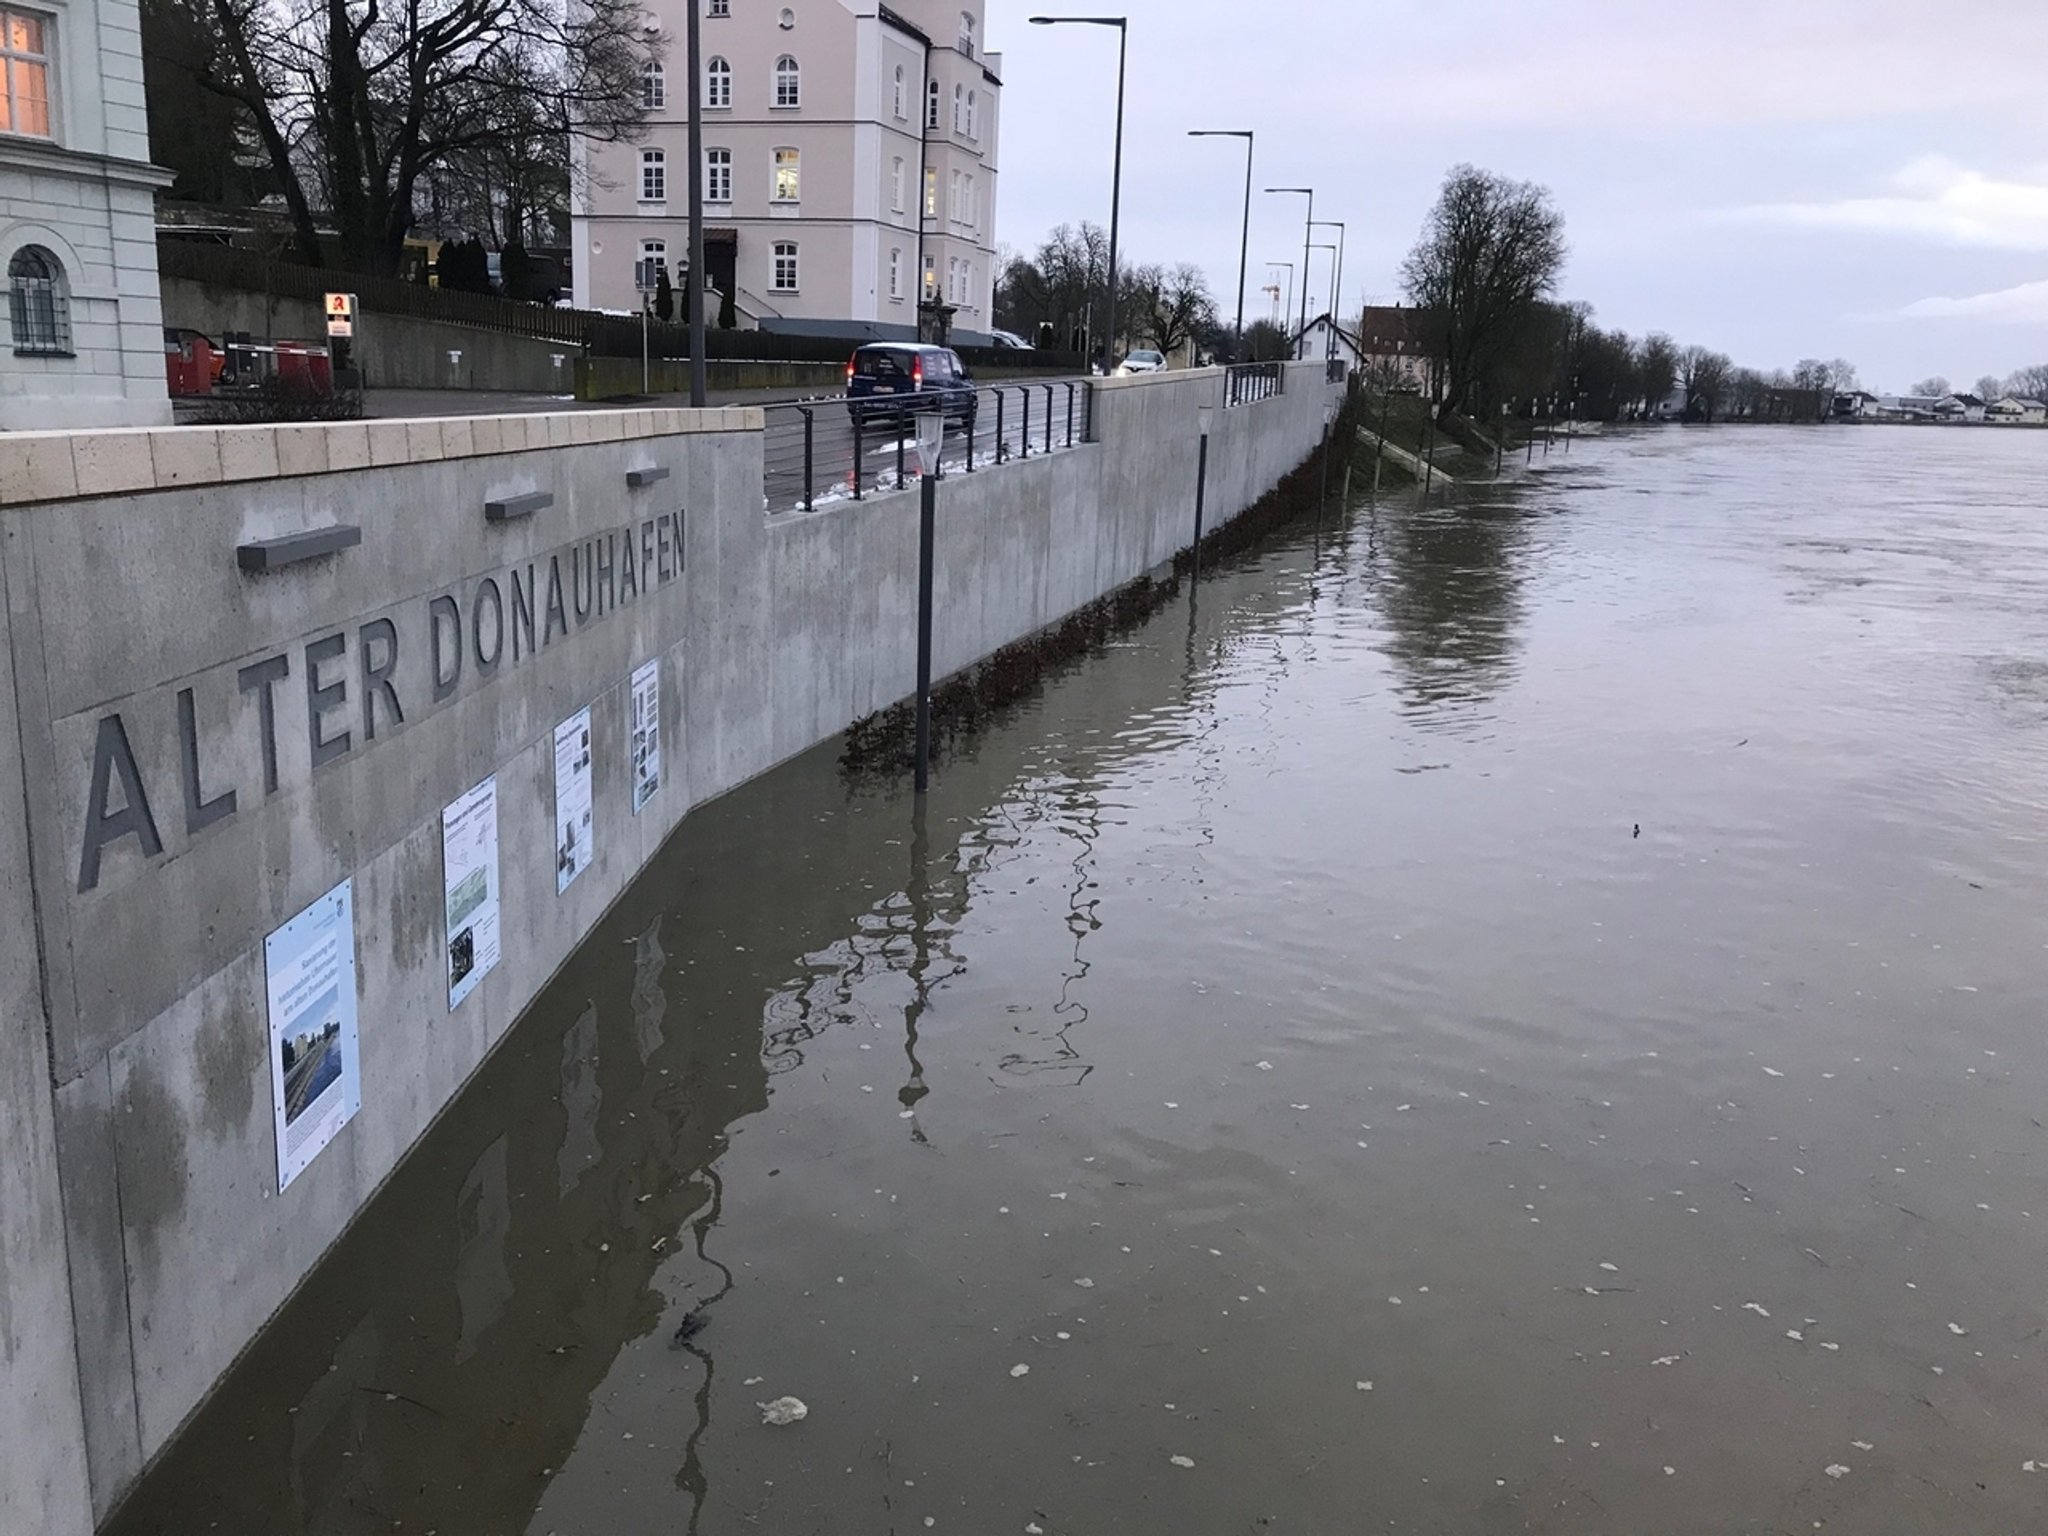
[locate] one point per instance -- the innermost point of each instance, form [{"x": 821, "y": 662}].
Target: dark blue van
[{"x": 890, "y": 381}]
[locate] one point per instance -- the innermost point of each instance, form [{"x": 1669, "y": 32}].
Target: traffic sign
[{"x": 341, "y": 314}]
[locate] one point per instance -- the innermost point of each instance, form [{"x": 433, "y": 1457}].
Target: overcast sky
[{"x": 1857, "y": 178}]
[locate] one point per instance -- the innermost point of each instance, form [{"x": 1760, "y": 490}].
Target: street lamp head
[
  {"x": 1220, "y": 133},
  {"x": 1085, "y": 21},
  {"x": 1308, "y": 191},
  {"x": 1204, "y": 416}
]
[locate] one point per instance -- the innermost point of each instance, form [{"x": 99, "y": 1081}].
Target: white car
[
  {"x": 1142, "y": 362},
  {"x": 1011, "y": 340}
]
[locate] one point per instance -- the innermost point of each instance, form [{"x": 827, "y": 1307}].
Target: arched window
[
  {"x": 902, "y": 95},
  {"x": 959, "y": 109},
  {"x": 788, "y": 83},
  {"x": 653, "y": 86},
  {"x": 966, "y": 43},
  {"x": 931, "y": 105},
  {"x": 38, "y": 304},
  {"x": 653, "y": 176},
  {"x": 718, "y": 85},
  {"x": 971, "y": 103}
]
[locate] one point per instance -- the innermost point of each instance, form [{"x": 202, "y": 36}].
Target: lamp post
[
  {"x": 1322, "y": 245},
  {"x": 694, "y": 53},
  {"x": 1245, "y": 246},
  {"x": 1205, "y": 415},
  {"x": 1337, "y": 281},
  {"x": 931, "y": 437},
  {"x": 1116, "y": 185},
  {"x": 1308, "y": 233}
]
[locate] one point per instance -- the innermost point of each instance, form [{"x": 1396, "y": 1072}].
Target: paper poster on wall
[
  {"x": 469, "y": 877},
  {"x": 575, "y": 842},
  {"x": 316, "y": 1085},
  {"x": 646, "y": 734}
]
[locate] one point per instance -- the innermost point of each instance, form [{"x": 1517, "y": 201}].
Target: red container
[{"x": 189, "y": 363}]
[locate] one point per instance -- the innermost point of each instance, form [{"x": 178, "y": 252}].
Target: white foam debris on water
[
  {"x": 1557, "y": 1439},
  {"x": 753, "y": 1381},
  {"x": 1837, "y": 1471},
  {"x": 784, "y": 1410},
  {"x": 1612, "y": 1269},
  {"x": 1085, "y": 1284},
  {"x": 1671, "y": 1471},
  {"x": 1666, "y": 1360},
  {"x": 906, "y": 1114},
  {"x": 1402, "y": 1109},
  {"x": 1297, "y": 1106},
  {"x": 1750, "y": 1306},
  {"x": 1959, "y": 1330},
  {"x": 1171, "y": 1105},
  {"x": 1265, "y": 1066},
  {"x": 1182, "y": 1461},
  {"x": 1034, "y": 1529},
  {"x": 1361, "y": 1146},
  {"x": 1020, "y": 1370},
  {"x": 1824, "y": 1344},
  {"x": 1772, "y": 1072},
  {"x": 1394, "y": 1301},
  {"x": 1060, "y": 1195},
  {"x": 1863, "y": 1445},
  {"x": 1063, "y": 1336},
  {"x": 1592, "y": 1291},
  {"x": 1365, "y": 1386},
  {"x": 1795, "y": 1335},
  {"x": 2028, "y": 1466}
]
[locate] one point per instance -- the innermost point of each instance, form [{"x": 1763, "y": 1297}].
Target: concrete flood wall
[{"x": 197, "y": 752}]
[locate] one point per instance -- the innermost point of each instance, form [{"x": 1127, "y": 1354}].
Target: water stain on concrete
[
  {"x": 414, "y": 929},
  {"x": 229, "y": 1052},
  {"x": 150, "y": 1139}
]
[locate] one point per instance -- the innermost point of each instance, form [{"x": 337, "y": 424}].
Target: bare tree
[
  {"x": 1842, "y": 376},
  {"x": 1491, "y": 248},
  {"x": 356, "y": 102},
  {"x": 1815, "y": 381},
  {"x": 2029, "y": 383},
  {"x": 1746, "y": 388},
  {"x": 1656, "y": 369},
  {"x": 1171, "y": 307},
  {"x": 1989, "y": 388},
  {"x": 1705, "y": 374},
  {"x": 1934, "y": 386}
]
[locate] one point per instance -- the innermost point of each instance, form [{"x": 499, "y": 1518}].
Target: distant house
[
  {"x": 1907, "y": 408},
  {"x": 1856, "y": 405},
  {"x": 1391, "y": 343},
  {"x": 2013, "y": 411},
  {"x": 1673, "y": 407},
  {"x": 1959, "y": 408},
  {"x": 1316, "y": 341}
]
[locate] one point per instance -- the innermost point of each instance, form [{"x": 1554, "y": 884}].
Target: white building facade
[
  {"x": 850, "y": 165},
  {"x": 81, "y": 338}
]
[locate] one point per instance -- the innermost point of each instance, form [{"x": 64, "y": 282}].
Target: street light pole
[
  {"x": 1322, "y": 245},
  {"x": 1308, "y": 233},
  {"x": 694, "y": 53},
  {"x": 1337, "y": 285},
  {"x": 1116, "y": 185},
  {"x": 1245, "y": 248}
]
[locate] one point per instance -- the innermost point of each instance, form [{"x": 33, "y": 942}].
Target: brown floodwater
[{"x": 1521, "y": 1015}]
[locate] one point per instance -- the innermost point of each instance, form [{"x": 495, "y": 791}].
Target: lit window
[
  {"x": 37, "y": 304},
  {"x": 902, "y": 95},
  {"x": 718, "y": 85},
  {"x": 647, "y": 270},
  {"x": 931, "y": 277},
  {"x": 783, "y": 279},
  {"x": 931, "y": 105},
  {"x": 788, "y": 186},
  {"x": 931, "y": 194},
  {"x": 25, "y": 63},
  {"x": 717, "y": 175},
  {"x": 966, "y": 40},
  {"x": 720, "y": 8},
  {"x": 896, "y": 273},
  {"x": 896, "y": 185},
  {"x": 653, "y": 87},
  {"x": 653, "y": 176},
  {"x": 788, "y": 83}
]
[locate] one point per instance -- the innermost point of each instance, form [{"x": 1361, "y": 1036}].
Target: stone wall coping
[{"x": 59, "y": 466}]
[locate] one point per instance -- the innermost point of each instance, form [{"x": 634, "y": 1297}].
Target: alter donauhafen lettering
[{"x": 349, "y": 680}]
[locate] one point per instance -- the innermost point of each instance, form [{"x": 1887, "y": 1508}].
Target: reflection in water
[
  {"x": 483, "y": 1219},
  {"x": 650, "y": 999},
  {"x": 1451, "y": 597},
  {"x": 581, "y": 1100},
  {"x": 921, "y": 981}
]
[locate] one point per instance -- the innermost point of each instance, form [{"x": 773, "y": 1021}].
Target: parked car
[
  {"x": 1011, "y": 340},
  {"x": 889, "y": 381},
  {"x": 1143, "y": 361}
]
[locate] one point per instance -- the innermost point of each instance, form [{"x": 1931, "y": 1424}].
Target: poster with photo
[
  {"x": 469, "y": 883},
  {"x": 645, "y": 735},
  {"x": 575, "y": 841},
  {"x": 316, "y": 1085}
]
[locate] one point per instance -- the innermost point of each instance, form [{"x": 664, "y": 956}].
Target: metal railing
[
  {"x": 818, "y": 452},
  {"x": 1247, "y": 382}
]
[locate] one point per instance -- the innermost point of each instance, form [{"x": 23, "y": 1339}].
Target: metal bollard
[
  {"x": 1024, "y": 438},
  {"x": 1048, "y": 418},
  {"x": 1070, "y": 413},
  {"x": 856, "y": 454},
  {"x": 900, "y": 434},
  {"x": 973, "y": 420},
  {"x": 1002, "y": 444}
]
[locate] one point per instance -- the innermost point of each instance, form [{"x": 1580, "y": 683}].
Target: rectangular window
[
  {"x": 931, "y": 194},
  {"x": 788, "y": 184},
  {"x": 717, "y": 175},
  {"x": 896, "y": 185},
  {"x": 720, "y": 8},
  {"x": 931, "y": 277},
  {"x": 971, "y": 215},
  {"x": 653, "y": 87},
  {"x": 783, "y": 279},
  {"x": 653, "y": 176},
  {"x": 25, "y": 66},
  {"x": 953, "y": 208},
  {"x": 896, "y": 273},
  {"x": 647, "y": 270}
]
